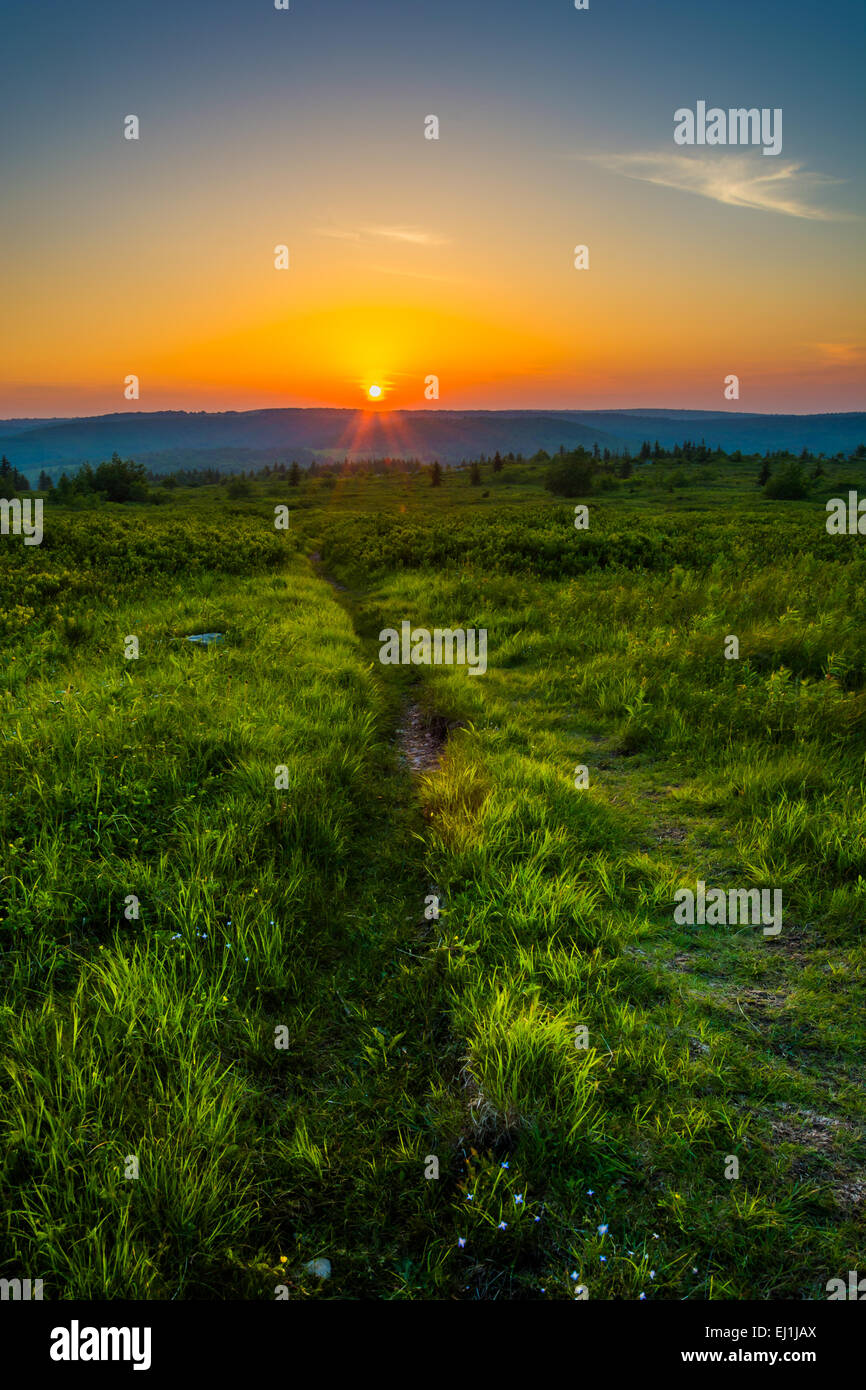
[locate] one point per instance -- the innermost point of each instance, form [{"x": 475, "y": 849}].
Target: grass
[{"x": 284, "y": 1040}]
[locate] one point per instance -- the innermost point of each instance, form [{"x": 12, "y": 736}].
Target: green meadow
[{"x": 271, "y": 994}]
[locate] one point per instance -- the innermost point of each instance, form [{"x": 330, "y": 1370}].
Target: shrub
[
  {"x": 571, "y": 474},
  {"x": 789, "y": 485},
  {"x": 238, "y": 487}
]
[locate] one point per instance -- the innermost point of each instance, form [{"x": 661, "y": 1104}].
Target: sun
[{"x": 374, "y": 392}]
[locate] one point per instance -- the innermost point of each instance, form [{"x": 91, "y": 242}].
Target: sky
[{"x": 412, "y": 258}]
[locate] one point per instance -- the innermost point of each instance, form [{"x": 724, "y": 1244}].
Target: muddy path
[
  {"x": 420, "y": 734},
  {"x": 421, "y": 738}
]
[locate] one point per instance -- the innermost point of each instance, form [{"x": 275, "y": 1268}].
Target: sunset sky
[{"x": 412, "y": 257}]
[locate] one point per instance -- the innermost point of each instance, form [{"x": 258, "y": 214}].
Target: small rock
[{"x": 321, "y": 1268}]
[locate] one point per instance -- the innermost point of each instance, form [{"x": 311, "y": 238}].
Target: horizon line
[{"x": 460, "y": 410}]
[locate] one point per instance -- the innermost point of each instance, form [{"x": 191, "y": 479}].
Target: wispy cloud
[
  {"x": 742, "y": 181},
  {"x": 338, "y": 234},
  {"x": 415, "y": 236},
  {"x": 841, "y": 354}
]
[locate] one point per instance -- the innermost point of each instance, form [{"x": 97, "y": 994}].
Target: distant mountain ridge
[{"x": 165, "y": 440}]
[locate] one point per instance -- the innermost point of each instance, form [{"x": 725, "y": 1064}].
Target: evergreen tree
[
  {"x": 497, "y": 462},
  {"x": 83, "y": 482},
  {"x": 45, "y": 483},
  {"x": 294, "y": 474},
  {"x": 764, "y": 475},
  {"x": 436, "y": 474},
  {"x": 475, "y": 474},
  {"x": 121, "y": 480}
]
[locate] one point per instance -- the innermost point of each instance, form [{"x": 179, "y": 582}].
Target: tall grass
[{"x": 235, "y": 984}]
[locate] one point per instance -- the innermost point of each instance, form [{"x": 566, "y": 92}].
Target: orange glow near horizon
[
  {"x": 558, "y": 343},
  {"x": 506, "y": 323}
]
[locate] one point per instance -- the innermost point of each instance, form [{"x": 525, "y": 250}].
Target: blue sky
[{"x": 554, "y": 122}]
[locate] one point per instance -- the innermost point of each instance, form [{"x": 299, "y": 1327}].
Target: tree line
[{"x": 782, "y": 474}]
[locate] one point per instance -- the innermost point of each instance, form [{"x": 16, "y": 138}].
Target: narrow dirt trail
[
  {"x": 421, "y": 738},
  {"x": 420, "y": 735},
  {"x": 385, "y": 1052}
]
